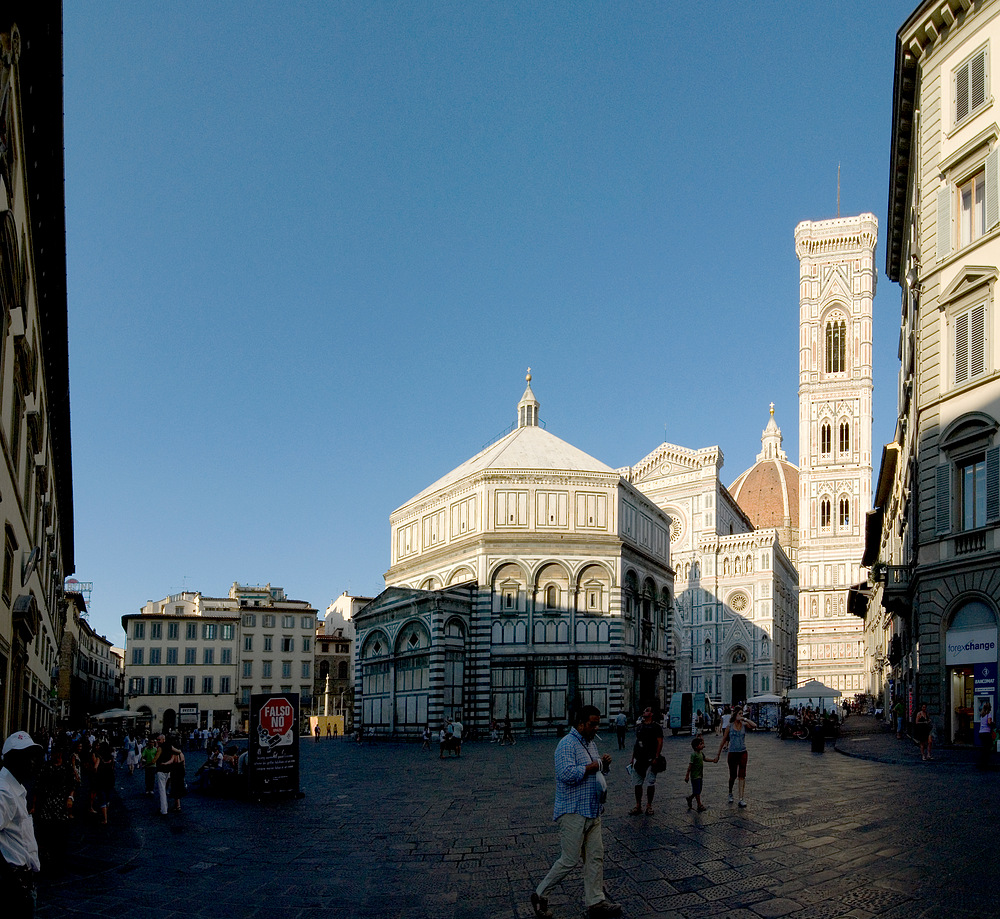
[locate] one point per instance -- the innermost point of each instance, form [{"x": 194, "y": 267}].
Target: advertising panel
[
  {"x": 970, "y": 646},
  {"x": 274, "y": 743},
  {"x": 985, "y": 689}
]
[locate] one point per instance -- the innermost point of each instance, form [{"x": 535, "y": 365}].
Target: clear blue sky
[{"x": 312, "y": 249}]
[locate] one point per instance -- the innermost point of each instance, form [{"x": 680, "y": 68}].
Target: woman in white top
[
  {"x": 985, "y": 734},
  {"x": 735, "y": 737}
]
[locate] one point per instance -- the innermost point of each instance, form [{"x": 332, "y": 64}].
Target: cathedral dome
[{"x": 768, "y": 492}]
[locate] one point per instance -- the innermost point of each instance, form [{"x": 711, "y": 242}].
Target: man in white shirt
[
  {"x": 22, "y": 758},
  {"x": 457, "y": 730}
]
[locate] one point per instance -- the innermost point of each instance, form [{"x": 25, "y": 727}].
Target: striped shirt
[{"x": 577, "y": 792}]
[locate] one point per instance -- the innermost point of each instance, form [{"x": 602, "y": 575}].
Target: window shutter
[
  {"x": 977, "y": 81},
  {"x": 993, "y": 483},
  {"x": 962, "y": 348},
  {"x": 961, "y": 92},
  {"x": 943, "y": 222},
  {"x": 942, "y": 517},
  {"x": 992, "y": 188},
  {"x": 977, "y": 341}
]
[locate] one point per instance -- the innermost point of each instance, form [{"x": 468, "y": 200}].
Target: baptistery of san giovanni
[{"x": 530, "y": 579}]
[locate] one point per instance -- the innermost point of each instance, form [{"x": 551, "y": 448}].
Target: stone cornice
[
  {"x": 479, "y": 483},
  {"x": 836, "y": 237}
]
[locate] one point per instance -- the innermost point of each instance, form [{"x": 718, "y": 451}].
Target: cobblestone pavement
[{"x": 392, "y": 831}]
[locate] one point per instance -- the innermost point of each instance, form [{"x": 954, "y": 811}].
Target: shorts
[
  {"x": 696, "y": 785},
  {"x": 737, "y": 764},
  {"x": 647, "y": 777}
]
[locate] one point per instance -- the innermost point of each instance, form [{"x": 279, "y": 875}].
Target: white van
[{"x": 684, "y": 708}]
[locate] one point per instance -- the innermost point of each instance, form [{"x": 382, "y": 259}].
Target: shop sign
[
  {"x": 972, "y": 646},
  {"x": 985, "y": 683},
  {"x": 273, "y": 758}
]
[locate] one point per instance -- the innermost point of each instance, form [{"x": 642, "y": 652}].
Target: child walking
[{"x": 696, "y": 771}]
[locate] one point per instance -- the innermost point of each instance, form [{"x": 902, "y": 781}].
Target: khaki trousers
[{"x": 579, "y": 837}]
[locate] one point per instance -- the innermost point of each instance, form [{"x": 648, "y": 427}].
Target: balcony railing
[
  {"x": 970, "y": 542},
  {"x": 896, "y": 592}
]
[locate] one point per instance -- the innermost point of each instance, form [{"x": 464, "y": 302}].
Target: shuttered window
[
  {"x": 942, "y": 515},
  {"x": 970, "y": 86},
  {"x": 970, "y": 344}
]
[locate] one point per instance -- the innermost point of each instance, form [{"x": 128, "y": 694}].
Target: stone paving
[{"x": 392, "y": 831}]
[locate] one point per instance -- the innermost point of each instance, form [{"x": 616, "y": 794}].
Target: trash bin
[{"x": 818, "y": 739}]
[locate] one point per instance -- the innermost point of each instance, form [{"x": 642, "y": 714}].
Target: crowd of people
[{"x": 52, "y": 779}]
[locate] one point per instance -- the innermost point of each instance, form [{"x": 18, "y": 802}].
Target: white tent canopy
[
  {"x": 114, "y": 713},
  {"x": 813, "y": 689},
  {"x": 764, "y": 698}
]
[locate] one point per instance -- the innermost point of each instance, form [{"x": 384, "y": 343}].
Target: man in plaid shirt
[{"x": 580, "y": 793}]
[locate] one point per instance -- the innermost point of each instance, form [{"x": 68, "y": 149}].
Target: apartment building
[
  {"x": 934, "y": 538},
  {"x": 90, "y": 675},
  {"x": 36, "y": 480},
  {"x": 194, "y": 661}
]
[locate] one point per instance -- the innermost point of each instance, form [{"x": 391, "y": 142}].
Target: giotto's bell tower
[{"x": 836, "y": 290}]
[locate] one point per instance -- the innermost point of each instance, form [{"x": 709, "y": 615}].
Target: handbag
[
  {"x": 603, "y": 784},
  {"x": 658, "y": 765}
]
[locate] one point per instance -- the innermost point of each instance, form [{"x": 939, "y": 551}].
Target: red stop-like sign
[{"x": 276, "y": 716}]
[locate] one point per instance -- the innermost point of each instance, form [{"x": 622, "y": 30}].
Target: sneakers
[
  {"x": 702, "y": 807},
  {"x": 743, "y": 803},
  {"x": 540, "y": 906},
  {"x": 730, "y": 797},
  {"x": 604, "y": 910}
]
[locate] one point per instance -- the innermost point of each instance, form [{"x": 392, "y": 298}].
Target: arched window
[
  {"x": 824, "y": 512},
  {"x": 845, "y": 512},
  {"x": 708, "y": 650},
  {"x": 836, "y": 346},
  {"x": 342, "y": 670},
  {"x": 845, "y": 437},
  {"x": 824, "y": 438},
  {"x": 324, "y": 669},
  {"x": 551, "y": 596}
]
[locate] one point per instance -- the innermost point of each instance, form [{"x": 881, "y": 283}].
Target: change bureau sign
[{"x": 274, "y": 743}]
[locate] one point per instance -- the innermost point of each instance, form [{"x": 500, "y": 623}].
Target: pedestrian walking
[
  {"x": 148, "y": 760},
  {"x": 922, "y": 732},
  {"x": 734, "y": 737},
  {"x": 987, "y": 742},
  {"x": 426, "y": 745},
  {"x": 508, "y": 733},
  {"x": 22, "y": 758},
  {"x": 166, "y": 758},
  {"x": 644, "y": 766},
  {"x": 581, "y": 790},
  {"x": 55, "y": 794},
  {"x": 696, "y": 771},
  {"x": 897, "y": 711},
  {"x": 104, "y": 779},
  {"x": 621, "y": 728}
]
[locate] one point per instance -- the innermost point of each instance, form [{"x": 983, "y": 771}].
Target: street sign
[
  {"x": 276, "y": 717},
  {"x": 273, "y": 755}
]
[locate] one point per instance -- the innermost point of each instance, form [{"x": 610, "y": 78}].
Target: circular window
[
  {"x": 739, "y": 602},
  {"x": 676, "y": 529}
]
